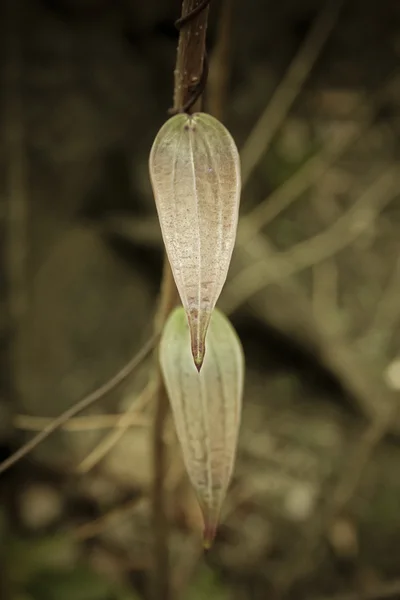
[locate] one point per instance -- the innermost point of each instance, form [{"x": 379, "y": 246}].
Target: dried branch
[
  {"x": 190, "y": 61},
  {"x": 342, "y": 233},
  {"x": 308, "y": 174},
  {"x": 189, "y": 75},
  {"x": 284, "y": 306},
  {"x": 122, "y": 425},
  {"x": 86, "y": 402},
  {"x": 89, "y": 423}
]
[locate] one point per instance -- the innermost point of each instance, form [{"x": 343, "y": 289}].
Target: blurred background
[{"x": 310, "y": 90}]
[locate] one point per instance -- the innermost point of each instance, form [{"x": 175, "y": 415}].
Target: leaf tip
[
  {"x": 198, "y": 357},
  {"x": 198, "y": 345},
  {"x": 211, "y": 522},
  {"x": 198, "y": 325},
  {"x": 210, "y": 530}
]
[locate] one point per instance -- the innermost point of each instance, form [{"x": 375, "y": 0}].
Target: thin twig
[
  {"x": 308, "y": 174},
  {"x": 286, "y": 308},
  {"x": 191, "y": 53},
  {"x": 343, "y": 232},
  {"x": 89, "y": 423},
  {"x": 123, "y": 424},
  {"x": 289, "y": 88},
  {"x": 86, "y": 402}
]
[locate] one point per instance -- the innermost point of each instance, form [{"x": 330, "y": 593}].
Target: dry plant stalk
[
  {"x": 195, "y": 174},
  {"x": 188, "y": 72}
]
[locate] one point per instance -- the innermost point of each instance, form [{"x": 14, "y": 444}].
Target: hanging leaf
[
  {"x": 195, "y": 174},
  {"x": 206, "y": 407}
]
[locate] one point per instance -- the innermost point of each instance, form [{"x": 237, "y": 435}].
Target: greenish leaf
[{"x": 206, "y": 407}]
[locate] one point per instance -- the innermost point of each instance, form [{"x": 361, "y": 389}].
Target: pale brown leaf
[{"x": 195, "y": 174}]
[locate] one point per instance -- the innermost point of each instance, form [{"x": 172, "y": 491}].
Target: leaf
[
  {"x": 195, "y": 174},
  {"x": 206, "y": 407}
]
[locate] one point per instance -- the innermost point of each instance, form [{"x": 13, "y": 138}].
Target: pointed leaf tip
[
  {"x": 198, "y": 351},
  {"x": 208, "y": 540},
  {"x": 195, "y": 175},
  {"x": 198, "y": 326},
  {"x": 206, "y": 407},
  {"x": 209, "y": 533}
]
